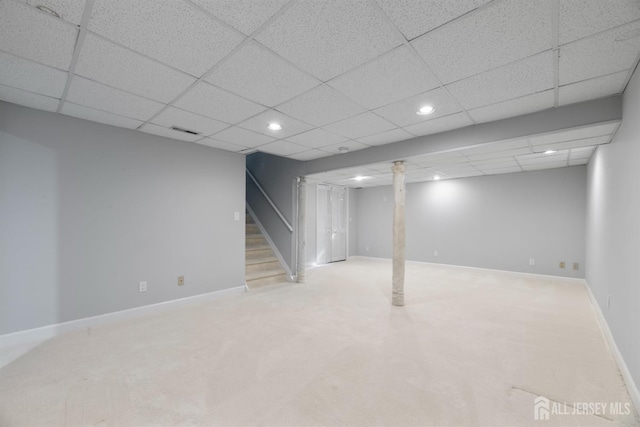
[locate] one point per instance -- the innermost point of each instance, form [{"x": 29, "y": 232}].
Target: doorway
[{"x": 331, "y": 231}]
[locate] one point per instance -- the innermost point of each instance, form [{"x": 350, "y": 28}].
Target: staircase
[{"x": 262, "y": 267}]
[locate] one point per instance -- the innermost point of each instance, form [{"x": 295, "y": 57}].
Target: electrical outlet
[
  {"x": 532, "y": 261},
  {"x": 236, "y": 216},
  {"x": 562, "y": 264},
  {"x": 180, "y": 280},
  {"x": 142, "y": 287},
  {"x": 576, "y": 266}
]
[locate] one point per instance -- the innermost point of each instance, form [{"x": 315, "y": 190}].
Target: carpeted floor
[{"x": 471, "y": 347}]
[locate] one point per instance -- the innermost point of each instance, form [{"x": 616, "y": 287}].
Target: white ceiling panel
[
  {"x": 537, "y": 158},
  {"x": 31, "y": 76},
  {"x": 316, "y": 138},
  {"x": 218, "y": 104},
  {"x": 290, "y": 126},
  {"x": 603, "y": 54},
  {"x": 507, "y": 162},
  {"x": 440, "y": 124},
  {"x": 90, "y": 114},
  {"x": 320, "y": 106},
  {"x": 239, "y": 136},
  {"x": 243, "y": 15},
  {"x": 499, "y": 34},
  {"x": 116, "y": 66},
  {"x": 415, "y": 18},
  {"x": 309, "y": 155},
  {"x": 531, "y": 75},
  {"x": 581, "y": 153},
  {"x": 95, "y": 95},
  {"x": 393, "y": 135},
  {"x": 256, "y": 73},
  {"x": 34, "y": 35},
  {"x": 499, "y": 171},
  {"x": 576, "y": 143},
  {"x": 361, "y": 125},
  {"x": 176, "y": 117},
  {"x": 329, "y": 38},
  {"x": 170, "y": 31},
  {"x": 592, "y": 88},
  {"x": 581, "y": 18},
  {"x": 69, "y": 10},
  {"x": 573, "y": 134},
  {"x": 210, "y": 142},
  {"x": 403, "y": 113},
  {"x": 169, "y": 133},
  {"x": 28, "y": 99},
  {"x": 514, "y": 107},
  {"x": 394, "y": 76},
  {"x": 351, "y": 145},
  {"x": 541, "y": 166},
  {"x": 578, "y": 162},
  {"x": 282, "y": 148}
]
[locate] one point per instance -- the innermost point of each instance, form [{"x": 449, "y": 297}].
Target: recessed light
[
  {"x": 436, "y": 177},
  {"x": 343, "y": 149},
  {"x": 360, "y": 177},
  {"x": 549, "y": 151},
  {"x": 274, "y": 126},
  {"x": 426, "y": 110}
]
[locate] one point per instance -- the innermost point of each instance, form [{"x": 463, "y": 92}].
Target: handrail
[{"x": 266, "y": 196}]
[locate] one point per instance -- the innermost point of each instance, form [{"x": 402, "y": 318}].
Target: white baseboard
[
  {"x": 44, "y": 333},
  {"x": 270, "y": 242},
  {"x": 632, "y": 387}
]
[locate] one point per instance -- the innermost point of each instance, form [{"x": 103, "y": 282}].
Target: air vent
[{"x": 190, "y": 132}]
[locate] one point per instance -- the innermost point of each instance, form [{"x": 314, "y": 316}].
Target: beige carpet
[{"x": 471, "y": 347}]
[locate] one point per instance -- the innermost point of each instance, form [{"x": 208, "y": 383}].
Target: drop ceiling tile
[
  {"x": 210, "y": 142},
  {"x": 499, "y": 163},
  {"x": 460, "y": 169},
  {"x": 576, "y": 143},
  {"x": 394, "y": 76},
  {"x": 393, "y": 135},
  {"x": 582, "y": 152},
  {"x": 499, "y": 154},
  {"x": 28, "y": 99},
  {"x": 403, "y": 113},
  {"x": 218, "y": 104},
  {"x": 528, "y": 159},
  {"x": 499, "y": 34},
  {"x": 602, "y": 54},
  {"x": 260, "y": 123},
  {"x": 186, "y": 120},
  {"x": 169, "y": 133},
  {"x": 316, "y": 138},
  {"x": 500, "y": 171},
  {"x": 414, "y": 18},
  {"x": 123, "y": 69},
  {"x": 69, "y": 10},
  {"x": 51, "y": 44},
  {"x": 593, "y": 88},
  {"x": 514, "y": 107},
  {"x": 95, "y": 95},
  {"x": 173, "y": 32},
  {"x": 361, "y": 125},
  {"x": 328, "y": 38},
  {"x": 282, "y": 148},
  {"x": 309, "y": 155},
  {"x": 441, "y": 124},
  {"x": 496, "y": 147},
  {"x": 541, "y": 166},
  {"x": 257, "y": 74},
  {"x": 90, "y": 114},
  {"x": 239, "y": 136},
  {"x": 581, "y": 18},
  {"x": 31, "y": 76},
  {"x": 320, "y": 106},
  {"x": 243, "y": 15},
  {"x": 351, "y": 145},
  {"x": 526, "y": 77},
  {"x": 575, "y": 133},
  {"x": 578, "y": 162}
]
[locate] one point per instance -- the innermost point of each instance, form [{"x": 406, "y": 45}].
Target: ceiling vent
[{"x": 179, "y": 129}]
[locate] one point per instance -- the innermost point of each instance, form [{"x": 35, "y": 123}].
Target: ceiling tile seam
[
  {"x": 82, "y": 33},
  {"x": 515, "y": 99},
  {"x": 628, "y": 71},
  {"x": 32, "y": 61},
  {"x": 42, "y": 13},
  {"x": 555, "y": 38},
  {"x": 416, "y": 55},
  {"x": 225, "y": 58},
  {"x": 282, "y": 58},
  {"x": 599, "y": 33},
  {"x": 28, "y": 91},
  {"x": 102, "y": 111},
  {"x": 214, "y": 18}
]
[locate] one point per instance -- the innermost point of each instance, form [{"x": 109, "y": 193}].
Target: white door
[{"x": 331, "y": 223}]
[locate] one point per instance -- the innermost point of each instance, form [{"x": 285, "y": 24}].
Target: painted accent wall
[
  {"x": 613, "y": 230},
  {"x": 88, "y": 210},
  {"x": 498, "y": 222}
]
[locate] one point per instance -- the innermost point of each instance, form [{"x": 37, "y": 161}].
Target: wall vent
[{"x": 179, "y": 129}]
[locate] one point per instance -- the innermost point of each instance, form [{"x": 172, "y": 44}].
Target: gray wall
[
  {"x": 89, "y": 210},
  {"x": 497, "y": 222},
  {"x": 613, "y": 230}
]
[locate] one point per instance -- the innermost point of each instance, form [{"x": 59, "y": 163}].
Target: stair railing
[{"x": 273, "y": 205}]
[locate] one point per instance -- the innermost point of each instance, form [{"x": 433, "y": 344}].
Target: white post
[
  {"x": 302, "y": 230},
  {"x": 397, "y": 296}
]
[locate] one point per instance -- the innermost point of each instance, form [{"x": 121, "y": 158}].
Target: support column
[
  {"x": 397, "y": 296},
  {"x": 302, "y": 230}
]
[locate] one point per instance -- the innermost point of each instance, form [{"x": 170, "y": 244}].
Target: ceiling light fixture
[
  {"x": 48, "y": 10},
  {"x": 549, "y": 151},
  {"x": 343, "y": 149},
  {"x": 274, "y": 126},
  {"x": 436, "y": 177},
  {"x": 426, "y": 110},
  {"x": 360, "y": 177}
]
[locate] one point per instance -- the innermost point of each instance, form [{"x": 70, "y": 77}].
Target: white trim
[
  {"x": 50, "y": 331},
  {"x": 632, "y": 388},
  {"x": 270, "y": 242}
]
